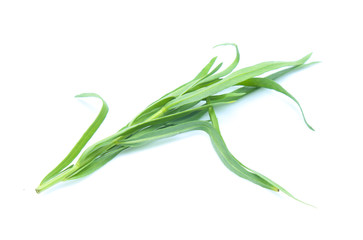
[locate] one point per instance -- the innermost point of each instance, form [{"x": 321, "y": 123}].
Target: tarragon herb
[{"x": 177, "y": 112}]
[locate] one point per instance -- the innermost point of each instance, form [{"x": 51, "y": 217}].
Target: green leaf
[
  {"x": 287, "y": 71},
  {"x": 150, "y": 110},
  {"x": 227, "y": 158},
  {"x": 243, "y": 91},
  {"x": 93, "y": 166},
  {"x": 214, "y": 70},
  {"x": 154, "y": 109},
  {"x": 231, "y": 80},
  {"x": 211, "y": 76},
  {"x": 231, "y": 96},
  {"x": 213, "y": 116},
  {"x": 206, "y": 69},
  {"x": 230, "y": 68},
  {"x": 83, "y": 140},
  {"x": 203, "y": 74},
  {"x": 270, "y": 84},
  {"x": 186, "y": 87}
]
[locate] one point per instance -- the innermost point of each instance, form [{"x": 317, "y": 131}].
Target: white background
[{"x": 131, "y": 53}]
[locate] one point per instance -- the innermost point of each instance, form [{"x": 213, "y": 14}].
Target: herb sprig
[{"x": 177, "y": 112}]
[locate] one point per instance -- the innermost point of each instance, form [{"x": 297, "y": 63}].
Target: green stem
[{"x": 57, "y": 179}]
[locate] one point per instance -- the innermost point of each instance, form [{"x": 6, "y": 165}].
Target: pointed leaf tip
[
  {"x": 87, "y": 95},
  {"x": 226, "y": 44}
]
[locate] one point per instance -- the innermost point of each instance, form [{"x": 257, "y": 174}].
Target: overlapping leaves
[{"x": 177, "y": 112}]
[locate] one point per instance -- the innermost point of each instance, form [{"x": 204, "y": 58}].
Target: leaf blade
[
  {"x": 270, "y": 84},
  {"x": 232, "y": 80},
  {"x": 83, "y": 140}
]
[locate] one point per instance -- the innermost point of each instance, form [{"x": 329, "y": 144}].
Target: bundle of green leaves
[{"x": 177, "y": 112}]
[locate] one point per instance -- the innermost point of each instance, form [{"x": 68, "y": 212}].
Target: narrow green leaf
[
  {"x": 287, "y": 71},
  {"x": 231, "y": 96},
  {"x": 227, "y": 158},
  {"x": 203, "y": 74},
  {"x": 215, "y": 70},
  {"x": 232, "y": 66},
  {"x": 270, "y": 84},
  {"x": 261, "y": 180},
  {"x": 83, "y": 140},
  {"x": 233, "y": 164},
  {"x": 206, "y": 69},
  {"x": 150, "y": 110},
  {"x": 185, "y": 87},
  {"x": 243, "y": 91},
  {"x": 213, "y": 116},
  {"x": 225, "y": 72},
  {"x": 91, "y": 162},
  {"x": 231, "y": 80},
  {"x": 93, "y": 166},
  {"x": 203, "y": 84},
  {"x": 266, "y": 67},
  {"x": 230, "y": 161},
  {"x": 146, "y": 137}
]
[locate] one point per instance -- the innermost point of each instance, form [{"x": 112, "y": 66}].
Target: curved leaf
[
  {"x": 231, "y": 80},
  {"x": 268, "y": 83},
  {"x": 83, "y": 140}
]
